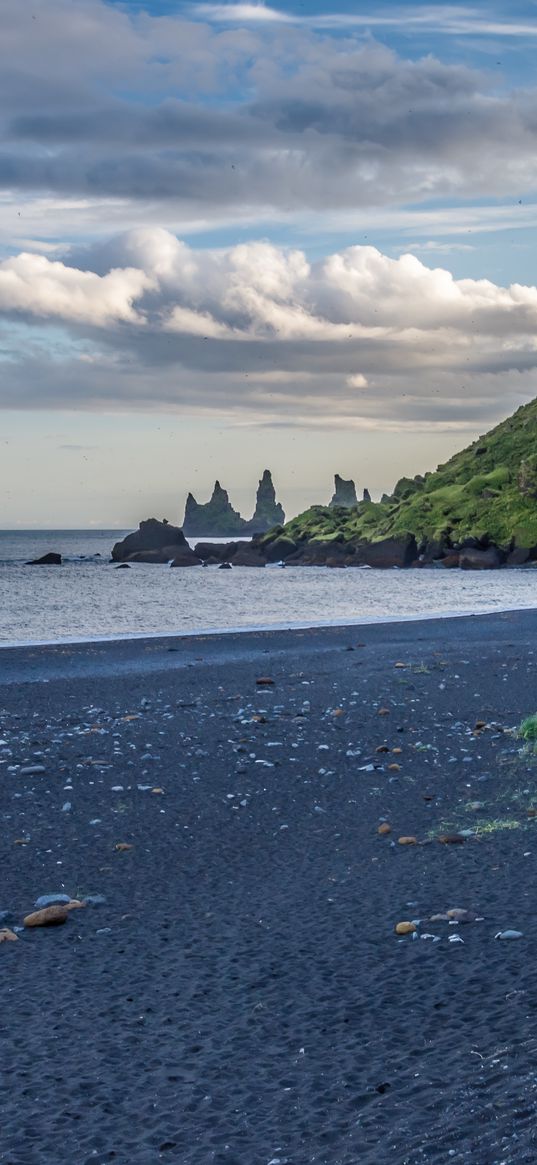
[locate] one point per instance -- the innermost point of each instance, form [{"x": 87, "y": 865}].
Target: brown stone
[
  {"x": 408, "y": 841},
  {"x": 122, "y": 846},
  {"x": 50, "y": 916},
  {"x": 451, "y": 839},
  {"x": 264, "y": 682},
  {"x": 405, "y": 928},
  {"x": 7, "y": 935},
  {"x": 384, "y": 829}
]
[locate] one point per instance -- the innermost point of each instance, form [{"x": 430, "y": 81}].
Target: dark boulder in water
[
  {"x": 153, "y": 541},
  {"x": 51, "y": 559}
]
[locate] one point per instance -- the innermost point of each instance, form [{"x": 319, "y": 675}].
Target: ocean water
[{"x": 87, "y": 598}]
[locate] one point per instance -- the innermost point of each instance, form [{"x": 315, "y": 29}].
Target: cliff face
[
  {"x": 344, "y": 493},
  {"x": 217, "y": 518},
  {"x": 476, "y": 511}
]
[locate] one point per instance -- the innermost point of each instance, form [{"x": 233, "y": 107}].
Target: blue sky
[{"x": 299, "y": 235}]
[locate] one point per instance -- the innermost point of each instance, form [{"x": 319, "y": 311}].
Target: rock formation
[
  {"x": 268, "y": 512},
  {"x": 344, "y": 493},
  {"x": 51, "y": 559},
  {"x": 155, "y": 541},
  {"x": 217, "y": 518}
]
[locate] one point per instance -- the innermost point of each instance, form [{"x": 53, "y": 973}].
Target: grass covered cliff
[{"x": 487, "y": 494}]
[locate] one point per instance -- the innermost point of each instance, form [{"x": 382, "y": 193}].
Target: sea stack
[
  {"x": 217, "y": 518},
  {"x": 344, "y": 493},
  {"x": 214, "y": 519},
  {"x": 268, "y": 512}
]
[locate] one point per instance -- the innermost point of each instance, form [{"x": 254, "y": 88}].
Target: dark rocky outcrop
[
  {"x": 344, "y": 493},
  {"x": 153, "y": 541},
  {"x": 366, "y": 496},
  {"x": 185, "y": 557},
  {"x": 389, "y": 552},
  {"x": 217, "y": 518},
  {"x": 474, "y": 558},
  {"x": 51, "y": 559},
  {"x": 247, "y": 555},
  {"x": 268, "y": 512}
]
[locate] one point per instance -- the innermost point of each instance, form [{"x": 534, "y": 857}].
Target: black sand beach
[{"x": 240, "y": 997}]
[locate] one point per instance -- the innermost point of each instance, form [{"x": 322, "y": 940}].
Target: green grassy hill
[{"x": 487, "y": 492}]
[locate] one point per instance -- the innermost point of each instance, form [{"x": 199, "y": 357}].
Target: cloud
[
  {"x": 38, "y": 286},
  {"x": 319, "y": 122},
  {"x": 260, "y": 332},
  {"x": 455, "y": 20},
  {"x": 244, "y": 13}
]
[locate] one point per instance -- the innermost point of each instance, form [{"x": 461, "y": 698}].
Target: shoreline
[
  {"x": 211, "y": 632},
  {"x": 236, "y": 993}
]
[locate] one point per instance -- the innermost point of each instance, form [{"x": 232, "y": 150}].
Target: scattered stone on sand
[
  {"x": 509, "y": 934},
  {"x": 383, "y": 712},
  {"x": 94, "y": 900},
  {"x": 8, "y": 936},
  {"x": 264, "y": 682},
  {"x": 384, "y": 829},
  {"x": 31, "y": 770},
  {"x": 451, "y": 839},
  {"x": 51, "y": 900},
  {"x": 122, "y": 846},
  {"x": 408, "y": 841},
  {"x": 405, "y": 928},
  {"x": 457, "y": 915},
  {"x": 455, "y": 938},
  {"x": 50, "y": 916}
]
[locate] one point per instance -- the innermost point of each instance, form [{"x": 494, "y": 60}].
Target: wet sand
[{"x": 240, "y": 998}]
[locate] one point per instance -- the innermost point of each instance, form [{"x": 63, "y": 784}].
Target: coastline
[
  {"x": 240, "y": 995},
  {"x": 211, "y": 632}
]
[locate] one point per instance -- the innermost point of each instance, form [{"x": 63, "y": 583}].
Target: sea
[{"x": 87, "y": 598}]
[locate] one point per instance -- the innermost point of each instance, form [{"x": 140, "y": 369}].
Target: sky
[{"x": 236, "y": 236}]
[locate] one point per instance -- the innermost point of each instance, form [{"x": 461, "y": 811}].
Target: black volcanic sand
[{"x": 241, "y": 997}]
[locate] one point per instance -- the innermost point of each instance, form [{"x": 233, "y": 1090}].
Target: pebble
[
  {"x": 509, "y": 934},
  {"x": 50, "y": 916},
  {"x": 405, "y": 928},
  {"x": 31, "y": 770},
  {"x": 51, "y": 900},
  {"x": 7, "y": 936}
]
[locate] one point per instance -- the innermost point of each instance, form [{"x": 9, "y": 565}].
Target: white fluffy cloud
[
  {"x": 38, "y": 286},
  {"x": 271, "y": 333},
  {"x": 257, "y": 291}
]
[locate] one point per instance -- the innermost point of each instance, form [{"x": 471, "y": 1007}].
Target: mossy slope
[{"x": 487, "y": 491}]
